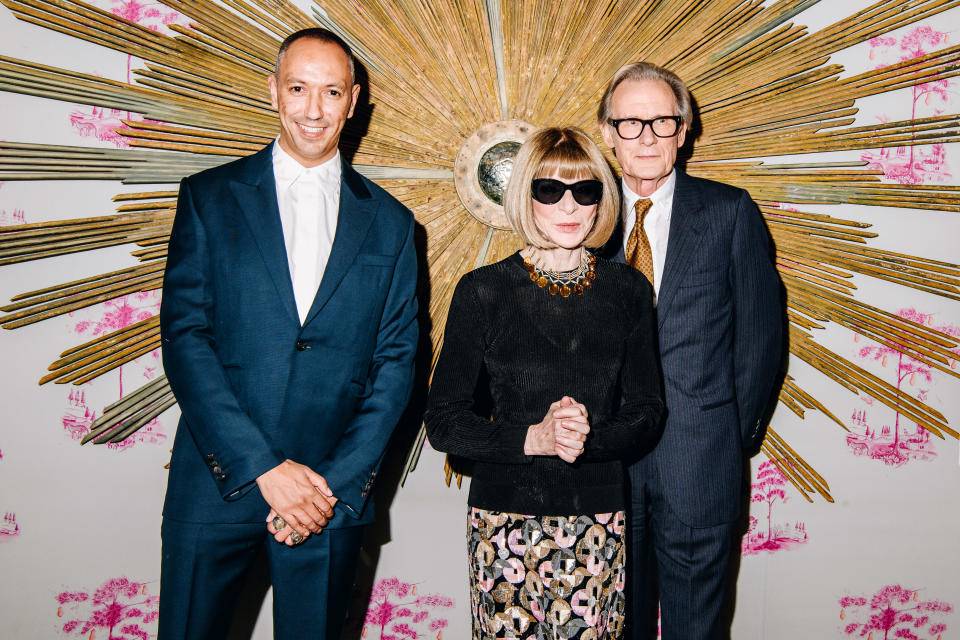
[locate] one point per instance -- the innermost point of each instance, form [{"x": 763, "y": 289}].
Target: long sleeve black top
[{"x": 598, "y": 348}]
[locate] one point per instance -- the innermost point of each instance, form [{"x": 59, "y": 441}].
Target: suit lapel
[
  {"x": 357, "y": 211},
  {"x": 255, "y": 190},
  {"x": 686, "y": 225}
]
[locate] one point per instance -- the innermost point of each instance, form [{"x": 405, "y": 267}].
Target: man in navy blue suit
[
  {"x": 288, "y": 329},
  {"x": 704, "y": 247}
]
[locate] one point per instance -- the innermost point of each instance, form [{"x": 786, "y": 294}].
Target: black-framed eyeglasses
[
  {"x": 632, "y": 128},
  {"x": 550, "y": 191}
]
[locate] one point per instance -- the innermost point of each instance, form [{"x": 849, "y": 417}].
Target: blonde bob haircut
[{"x": 569, "y": 154}]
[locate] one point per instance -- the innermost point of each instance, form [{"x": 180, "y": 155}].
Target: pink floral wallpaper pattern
[
  {"x": 894, "y": 612},
  {"x": 119, "y": 609}
]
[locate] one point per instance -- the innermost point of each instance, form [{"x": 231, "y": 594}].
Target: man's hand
[{"x": 300, "y": 496}]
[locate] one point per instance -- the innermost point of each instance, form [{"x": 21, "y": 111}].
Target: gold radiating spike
[
  {"x": 807, "y": 401},
  {"x": 446, "y": 104},
  {"x": 30, "y": 242},
  {"x": 131, "y": 412},
  {"x": 38, "y": 80},
  {"x": 800, "y": 474}
]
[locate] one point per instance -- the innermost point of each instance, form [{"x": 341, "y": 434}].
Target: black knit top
[{"x": 598, "y": 348}]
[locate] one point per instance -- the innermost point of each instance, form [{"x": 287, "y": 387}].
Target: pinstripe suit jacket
[{"x": 719, "y": 321}]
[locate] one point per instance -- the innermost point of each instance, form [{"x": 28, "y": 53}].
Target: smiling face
[
  {"x": 564, "y": 223},
  {"x": 648, "y": 160},
  {"x": 314, "y": 95}
]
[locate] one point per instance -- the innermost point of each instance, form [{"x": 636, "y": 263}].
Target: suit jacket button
[
  {"x": 302, "y": 345},
  {"x": 209, "y": 456},
  {"x": 217, "y": 470}
]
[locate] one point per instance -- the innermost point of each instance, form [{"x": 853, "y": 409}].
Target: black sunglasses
[{"x": 550, "y": 191}]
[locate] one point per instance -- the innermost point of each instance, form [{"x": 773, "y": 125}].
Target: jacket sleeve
[
  {"x": 235, "y": 449},
  {"x": 356, "y": 458},
  {"x": 758, "y": 319},
  {"x": 636, "y": 427},
  {"x": 452, "y": 424}
]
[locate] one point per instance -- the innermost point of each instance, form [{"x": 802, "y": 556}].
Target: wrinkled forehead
[{"x": 643, "y": 97}]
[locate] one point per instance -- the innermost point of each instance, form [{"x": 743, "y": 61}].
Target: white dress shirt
[
  {"x": 656, "y": 224},
  {"x": 309, "y": 202}
]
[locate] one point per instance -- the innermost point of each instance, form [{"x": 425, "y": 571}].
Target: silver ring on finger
[
  {"x": 296, "y": 538},
  {"x": 279, "y": 523}
]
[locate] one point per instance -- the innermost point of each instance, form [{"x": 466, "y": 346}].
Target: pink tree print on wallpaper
[
  {"x": 396, "y": 612},
  {"x": 17, "y": 216},
  {"x": 9, "y": 529},
  {"x": 913, "y": 164},
  {"x": 102, "y": 123},
  {"x": 120, "y": 313},
  {"x": 898, "y": 443},
  {"x": 894, "y": 612},
  {"x": 120, "y": 608},
  {"x": 110, "y": 316},
  {"x": 152, "y": 15},
  {"x": 78, "y": 417},
  {"x": 768, "y": 489}
]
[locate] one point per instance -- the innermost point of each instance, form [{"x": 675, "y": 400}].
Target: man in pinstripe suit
[{"x": 704, "y": 247}]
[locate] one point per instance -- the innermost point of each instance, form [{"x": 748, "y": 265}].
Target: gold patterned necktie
[{"x": 638, "y": 253}]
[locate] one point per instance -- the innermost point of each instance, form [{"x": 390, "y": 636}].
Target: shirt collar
[
  {"x": 287, "y": 170},
  {"x": 663, "y": 194}
]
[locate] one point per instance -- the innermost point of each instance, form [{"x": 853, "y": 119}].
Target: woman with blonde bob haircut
[
  {"x": 572, "y": 155},
  {"x": 564, "y": 343}
]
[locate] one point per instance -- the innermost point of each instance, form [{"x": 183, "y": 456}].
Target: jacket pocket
[
  {"x": 376, "y": 259},
  {"x": 706, "y": 406},
  {"x": 700, "y": 278}
]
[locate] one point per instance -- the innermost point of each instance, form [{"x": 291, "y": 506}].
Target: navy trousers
[
  {"x": 685, "y": 567},
  {"x": 203, "y": 568}
]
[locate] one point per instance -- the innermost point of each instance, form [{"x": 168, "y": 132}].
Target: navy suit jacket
[
  {"x": 719, "y": 322},
  {"x": 254, "y": 386}
]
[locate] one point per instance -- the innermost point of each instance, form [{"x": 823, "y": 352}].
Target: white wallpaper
[{"x": 79, "y": 527}]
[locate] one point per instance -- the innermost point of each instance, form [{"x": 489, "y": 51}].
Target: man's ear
[
  {"x": 607, "y": 132},
  {"x": 353, "y": 99},
  {"x": 272, "y": 85}
]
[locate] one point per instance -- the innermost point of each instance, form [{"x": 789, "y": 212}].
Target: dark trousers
[
  {"x": 203, "y": 568},
  {"x": 688, "y": 564}
]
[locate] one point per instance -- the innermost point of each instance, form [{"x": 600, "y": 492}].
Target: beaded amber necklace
[{"x": 563, "y": 283}]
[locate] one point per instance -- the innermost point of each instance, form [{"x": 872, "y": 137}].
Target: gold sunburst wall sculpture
[{"x": 453, "y": 87}]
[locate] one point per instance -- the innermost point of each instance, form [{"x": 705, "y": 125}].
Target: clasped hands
[
  {"x": 562, "y": 432},
  {"x": 300, "y": 496}
]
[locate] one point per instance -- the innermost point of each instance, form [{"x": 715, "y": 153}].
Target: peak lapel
[
  {"x": 255, "y": 190},
  {"x": 357, "y": 211},
  {"x": 686, "y": 227}
]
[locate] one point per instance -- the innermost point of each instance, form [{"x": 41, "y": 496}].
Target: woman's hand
[{"x": 562, "y": 432}]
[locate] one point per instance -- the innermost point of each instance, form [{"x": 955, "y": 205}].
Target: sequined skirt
[{"x": 546, "y": 577}]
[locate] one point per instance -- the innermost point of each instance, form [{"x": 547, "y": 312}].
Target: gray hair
[
  {"x": 647, "y": 71},
  {"x": 316, "y": 33}
]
